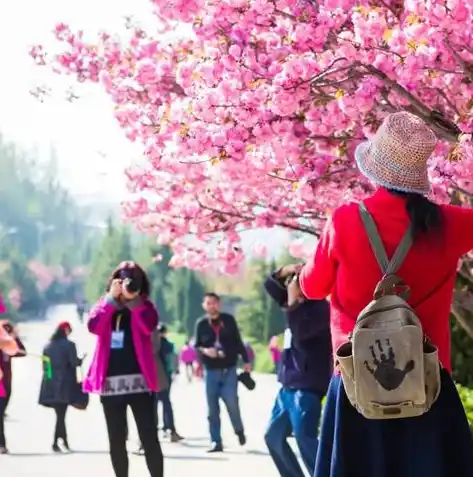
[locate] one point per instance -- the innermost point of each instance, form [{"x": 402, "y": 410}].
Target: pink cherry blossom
[{"x": 251, "y": 120}]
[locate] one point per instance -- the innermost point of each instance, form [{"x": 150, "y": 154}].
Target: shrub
[{"x": 466, "y": 396}]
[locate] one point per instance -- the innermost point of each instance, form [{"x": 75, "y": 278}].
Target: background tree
[
  {"x": 251, "y": 120},
  {"x": 114, "y": 248}
]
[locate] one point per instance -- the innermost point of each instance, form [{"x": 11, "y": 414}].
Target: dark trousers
[
  {"x": 298, "y": 412},
  {"x": 2, "y": 421},
  {"x": 164, "y": 397},
  {"x": 143, "y": 408},
  {"x": 60, "y": 431},
  {"x": 8, "y": 396}
]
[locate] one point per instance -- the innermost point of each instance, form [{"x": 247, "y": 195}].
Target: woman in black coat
[{"x": 59, "y": 379}]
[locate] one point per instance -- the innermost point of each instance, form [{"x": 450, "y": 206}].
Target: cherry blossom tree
[{"x": 249, "y": 118}]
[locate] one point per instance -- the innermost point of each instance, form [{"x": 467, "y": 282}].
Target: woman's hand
[
  {"x": 294, "y": 293},
  {"x": 292, "y": 269},
  {"x": 116, "y": 289}
]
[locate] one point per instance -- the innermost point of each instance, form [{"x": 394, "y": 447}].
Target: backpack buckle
[{"x": 392, "y": 285}]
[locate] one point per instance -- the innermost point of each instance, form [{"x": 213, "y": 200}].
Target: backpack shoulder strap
[{"x": 387, "y": 267}]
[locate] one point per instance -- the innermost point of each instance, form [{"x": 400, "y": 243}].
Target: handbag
[{"x": 80, "y": 399}]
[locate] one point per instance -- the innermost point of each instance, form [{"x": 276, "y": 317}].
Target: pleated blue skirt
[{"x": 437, "y": 444}]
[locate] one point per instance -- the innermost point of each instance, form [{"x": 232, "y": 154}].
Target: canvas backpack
[{"x": 389, "y": 369}]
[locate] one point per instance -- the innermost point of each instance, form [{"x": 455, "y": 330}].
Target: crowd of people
[{"x": 379, "y": 352}]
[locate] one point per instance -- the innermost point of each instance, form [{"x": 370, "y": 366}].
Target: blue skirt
[{"x": 437, "y": 444}]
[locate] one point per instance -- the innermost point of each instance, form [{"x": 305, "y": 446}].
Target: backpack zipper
[{"x": 386, "y": 308}]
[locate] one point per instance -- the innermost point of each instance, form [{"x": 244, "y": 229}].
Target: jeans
[
  {"x": 143, "y": 408},
  {"x": 294, "y": 411},
  {"x": 168, "y": 414},
  {"x": 222, "y": 384}
]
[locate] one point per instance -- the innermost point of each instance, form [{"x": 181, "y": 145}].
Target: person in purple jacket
[
  {"x": 304, "y": 372},
  {"x": 123, "y": 369}
]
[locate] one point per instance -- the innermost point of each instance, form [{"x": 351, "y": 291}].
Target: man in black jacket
[
  {"x": 219, "y": 343},
  {"x": 304, "y": 373}
]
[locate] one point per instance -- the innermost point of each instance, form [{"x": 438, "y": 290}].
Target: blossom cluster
[{"x": 250, "y": 121}]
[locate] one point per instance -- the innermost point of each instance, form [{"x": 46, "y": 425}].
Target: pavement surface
[{"x": 29, "y": 427}]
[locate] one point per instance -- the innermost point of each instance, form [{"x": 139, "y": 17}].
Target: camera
[
  {"x": 289, "y": 279},
  {"x": 131, "y": 285}
]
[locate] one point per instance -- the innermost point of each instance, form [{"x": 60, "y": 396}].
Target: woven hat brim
[{"x": 362, "y": 158}]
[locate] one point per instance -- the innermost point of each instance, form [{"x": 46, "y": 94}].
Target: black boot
[
  {"x": 241, "y": 438},
  {"x": 216, "y": 447}
]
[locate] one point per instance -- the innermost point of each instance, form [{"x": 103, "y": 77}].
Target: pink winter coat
[
  {"x": 188, "y": 354},
  {"x": 144, "y": 319}
]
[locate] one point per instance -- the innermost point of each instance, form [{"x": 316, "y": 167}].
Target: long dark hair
[
  {"x": 426, "y": 216},
  {"x": 137, "y": 272},
  {"x": 59, "y": 334}
]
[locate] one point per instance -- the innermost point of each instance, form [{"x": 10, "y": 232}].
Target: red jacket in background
[{"x": 345, "y": 267}]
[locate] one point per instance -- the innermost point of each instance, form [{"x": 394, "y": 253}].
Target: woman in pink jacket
[
  {"x": 9, "y": 346},
  {"x": 123, "y": 370}
]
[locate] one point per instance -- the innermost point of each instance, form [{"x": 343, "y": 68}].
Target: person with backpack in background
[
  {"x": 171, "y": 367},
  {"x": 162, "y": 377},
  {"x": 389, "y": 265},
  {"x": 304, "y": 373}
]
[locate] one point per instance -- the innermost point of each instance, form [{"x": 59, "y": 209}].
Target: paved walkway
[{"x": 29, "y": 427}]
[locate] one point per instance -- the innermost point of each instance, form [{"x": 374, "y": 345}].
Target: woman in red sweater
[{"x": 438, "y": 443}]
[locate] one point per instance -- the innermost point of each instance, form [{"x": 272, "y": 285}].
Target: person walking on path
[
  {"x": 218, "y": 340},
  {"x": 351, "y": 258},
  {"x": 60, "y": 362},
  {"x": 123, "y": 370},
  {"x": 8, "y": 345},
  {"x": 304, "y": 373},
  {"x": 188, "y": 357},
  {"x": 6, "y": 360},
  {"x": 169, "y": 359},
  {"x": 250, "y": 352},
  {"x": 275, "y": 351}
]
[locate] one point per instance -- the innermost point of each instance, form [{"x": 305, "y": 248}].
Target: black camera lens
[{"x": 131, "y": 285}]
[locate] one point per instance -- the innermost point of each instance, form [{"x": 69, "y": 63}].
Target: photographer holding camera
[
  {"x": 304, "y": 373},
  {"x": 123, "y": 370}
]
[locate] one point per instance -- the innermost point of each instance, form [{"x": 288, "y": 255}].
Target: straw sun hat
[{"x": 396, "y": 157}]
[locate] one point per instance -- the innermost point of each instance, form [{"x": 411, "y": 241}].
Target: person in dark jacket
[
  {"x": 169, "y": 359},
  {"x": 304, "y": 373},
  {"x": 218, "y": 340},
  {"x": 58, "y": 386}
]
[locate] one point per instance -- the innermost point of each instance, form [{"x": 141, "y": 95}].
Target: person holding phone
[{"x": 123, "y": 370}]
